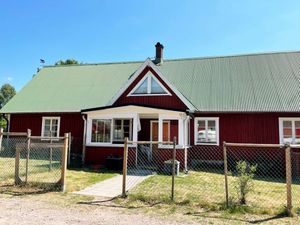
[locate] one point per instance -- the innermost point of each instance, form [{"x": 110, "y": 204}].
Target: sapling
[{"x": 245, "y": 174}]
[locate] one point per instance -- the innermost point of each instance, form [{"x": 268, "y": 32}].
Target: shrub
[{"x": 245, "y": 174}]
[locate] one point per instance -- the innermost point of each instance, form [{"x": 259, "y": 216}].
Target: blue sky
[{"x": 107, "y": 31}]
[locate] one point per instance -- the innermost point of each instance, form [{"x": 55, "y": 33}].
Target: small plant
[{"x": 244, "y": 185}]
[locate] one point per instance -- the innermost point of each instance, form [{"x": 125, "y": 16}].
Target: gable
[
  {"x": 167, "y": 99},
  {"x": 149, "y": 85}
]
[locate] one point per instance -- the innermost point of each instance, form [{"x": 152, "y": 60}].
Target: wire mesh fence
[
  {"x": 29, "y": 161},
  {"x": 148, "y": 170},
  {"x": 256, "y": 175}
]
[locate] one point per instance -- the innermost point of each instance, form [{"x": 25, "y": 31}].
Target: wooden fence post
[
  {"x": 225, "y": 173},
  {"x": 125, "y": 155},
  {"x": 51, "y": 152},
  {"x": 1, "y": 137},
  {"x": 63, "y": 181},
  {"x": 69, "y": 148},
  {"x": 27, "y": 154},
  {"x": 288, "y": 179},
  {"x": 173, "y": 168},
  {"x": 17, "y": 167}
]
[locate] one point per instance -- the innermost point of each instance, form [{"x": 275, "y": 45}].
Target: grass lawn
[{"x": 206, "y": 190}]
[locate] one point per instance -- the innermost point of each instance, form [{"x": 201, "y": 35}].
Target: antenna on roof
[{"x": 42, "y": 61}]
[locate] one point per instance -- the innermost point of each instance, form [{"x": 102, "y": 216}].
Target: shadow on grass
[
  {"x": 113, "y": 204},
  {"x": 32, "y": 189}
]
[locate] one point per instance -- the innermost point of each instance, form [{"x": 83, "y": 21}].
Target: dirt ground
[
  {"x": 27, "y": 211},
  {"x": 23, "y": 210}
]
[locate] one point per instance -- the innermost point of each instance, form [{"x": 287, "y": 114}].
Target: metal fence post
[
  {"x": 125, "y": 155},
  {"x": 225, "y": 173},
  {"x": 27, "y": 154},
  {"x": 288, "y": 179},
  {"x": 63, "y": 181},
  {"x": 173, "y": 168}
]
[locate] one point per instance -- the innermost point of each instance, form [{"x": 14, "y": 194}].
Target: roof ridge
[
  {"x": 237, "y": 55},
  {"x": 93, "y": 64},
  {"x": 179, "y": 59}
]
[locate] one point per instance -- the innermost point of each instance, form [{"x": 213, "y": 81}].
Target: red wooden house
[{"x": 202, "y": 101}]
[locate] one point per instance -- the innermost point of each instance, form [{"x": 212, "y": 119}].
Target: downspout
[
  {"x": 185, "y": 144},
  {"x": 84, "y": 139}
]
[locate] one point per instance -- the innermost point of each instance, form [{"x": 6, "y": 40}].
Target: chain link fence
[
  {"x": 255, "y": 177},
  {"x": 33, "y": 162},
  {"x": 148, "y": 170}
]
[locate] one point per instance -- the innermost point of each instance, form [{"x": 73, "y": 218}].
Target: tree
[
  {"x": 67, "y": 62},
  {"x": 6, "y": 93}
]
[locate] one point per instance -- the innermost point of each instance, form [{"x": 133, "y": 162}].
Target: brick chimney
[{"x": 159, "y": 53}]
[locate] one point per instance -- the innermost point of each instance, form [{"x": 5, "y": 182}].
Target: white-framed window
[
  {"x": 50, "y": 126},
  {"x": 206, "y": 131},
  {"x": 149, "y": 85},
  {"x": 122, "y": 128},
  {"x": 101, "y": 131},
  {"x": 289, "y": 130}
]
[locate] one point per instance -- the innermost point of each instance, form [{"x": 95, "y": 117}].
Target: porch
[{"x": 105, "y": 130}]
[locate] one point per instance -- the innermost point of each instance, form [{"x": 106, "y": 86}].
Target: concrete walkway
[{"x": 113, "y": 187}]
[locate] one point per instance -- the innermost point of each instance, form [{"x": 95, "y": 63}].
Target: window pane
[
  {"x": 101, "y": 131},
  {"x": 122, "y": 129},
  {"x": 201, "y": 131},
  {"x": 156, "y": 88},
  {"x": 287, "y": 131},
  {"x": 211, "y": 131},
  {"x": 297, "y": 132},
  {"x": 142, "y": 89}
]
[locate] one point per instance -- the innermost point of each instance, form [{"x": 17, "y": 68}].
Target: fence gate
[{"x": 33, "y": 161}]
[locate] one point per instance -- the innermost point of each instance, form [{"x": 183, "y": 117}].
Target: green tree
[
  {"x": 6, "y": 93},
  {"x": 67, "y": 62}
]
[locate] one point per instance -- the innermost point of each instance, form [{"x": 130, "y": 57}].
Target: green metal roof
[{"x": 268, "y": 82}]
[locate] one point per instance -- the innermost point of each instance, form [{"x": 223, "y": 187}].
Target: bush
[{"x": 245, "y": 174}]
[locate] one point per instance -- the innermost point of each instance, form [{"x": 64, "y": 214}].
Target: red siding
[
  {"x": 261, "y": 128},
  {"x": 247, "y": 127},
  {"x": 97, "y": 155},
  {"x": 171, "y": 102},
  {"x": 69, "y": 122}
]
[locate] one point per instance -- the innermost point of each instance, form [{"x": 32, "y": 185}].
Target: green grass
[
  {"x": 78, "y": 179},
  {"x": 41, "y": 179},
  {"x": 206, "y": 190}
]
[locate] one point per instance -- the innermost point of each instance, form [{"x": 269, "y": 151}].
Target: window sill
[
  {"x": 107, "y": 145},
  {"x": 213, "y": 144}
]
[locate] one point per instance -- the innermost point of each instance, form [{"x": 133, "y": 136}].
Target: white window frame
[
  {"x": 292, "y": 119},
  {"x": 91, "y": 135},
  {"x": 148, "y": 76},
  {"x": 130, "y": 128},
  {"x": 110, "y": 143},
  {"x": 51, "y": 118},
  {"x": 216, "y": 119}
]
